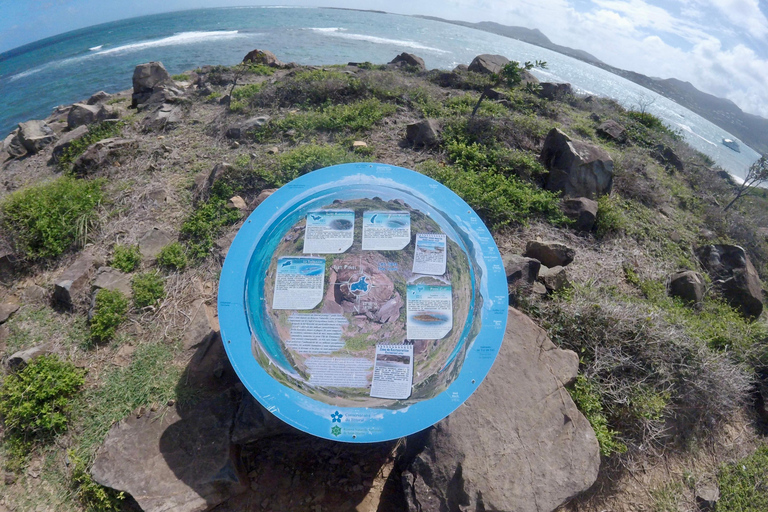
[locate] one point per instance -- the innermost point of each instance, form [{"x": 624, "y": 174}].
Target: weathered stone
[
  {"x": 577, "y": 168},
  {"x": 461, "y": 68},
  {"x": 7, "y": 309},
  {"x": 554, "y": 279},
  {"x": 81, "y": 114},
  {"x": 236, "y": 202},
  {"x": 583, "y": 212},
  {"x": 159, "y": 195},
  {"x": 166, "y": 117},
  {"x": 550, "y": 254},
  {"x": 22, "y": 358},
  {"x": 174, "y": 460},
  {"x": 550, "y": 455},
  {"x": 409, "y": 60},
  {"x": 423, "y": 133},
  {"x": 707, "y": 496},
  {"x": 109, "y": 278},
  {"x": 521, "y": 271},
  {"x": 35, "y": 135},
  {"x": 488, "y": 64},
  {"x": 734, "y": 276},
  {"x": 239, "y": 130},
  {"x": 205, "y": 179},
  {"x": 66, "y": 140},
  {"x": 202, "y": 327},
  {"x": 7, "y": 261},
  {"x": 273, "y": 150},
  {"x": 688, "y": 285},
  {"x": 102, "y": 153},
  {"x": 224, "y": 243},
  {"x": 72, "y": 284},
  {"x": 147, "y": 79},
  {"x": 253, "y": 422},
  {"x": 264, "y": 57},
  {"x": 5, "y": 333},
  {"x": 555, "y": 91},
  {"x": 666, "y": 156},
  {"x": 13, "y": 146},
  {"x": 610, "y": 129},
  {"x": 99, "y": 97},
  {"x": 359, "y": 144},
  {"x": 153, "y": 241},
  {"x": 33, "y": 294}
]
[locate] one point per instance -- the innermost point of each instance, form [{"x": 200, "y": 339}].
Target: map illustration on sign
[{"x": 352, "y": 291}]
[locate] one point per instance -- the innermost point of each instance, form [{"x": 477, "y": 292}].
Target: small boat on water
[{"x": 730, "y": 143}]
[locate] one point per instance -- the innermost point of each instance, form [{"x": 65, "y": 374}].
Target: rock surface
[
  {"x": 202, "y": 327},
  {"x": 174, "y": 460},
  {"x": 35, "y": 135},
  {"x": 149, "y": 78},
  {"x": 167, "y": 116},
  {"x": 666, "y": 156},
  {"x": 550, "y": 254},
  {"x": 410, "y": 60},
  {"x": 554, "y": 279},
  {"x": 153, "y": 241},
  {"x": 488, "y": 63},
  {"x": 73, "y": 282},
  {"x": 13, "y": 146},
  {"x": 7, "y": 309},
  {"x": 734, "y": 276},
  {"x": 423, "y": 133},
  {"x": 583, "y": 212},
  {"x": 530, "y": 450},
  {"x": 98, "y": 97},
  {"x": 102, "y": 153},
  {"x": 109, "y": 278},
  {"x": 265, "y": 57},
  {"x": 555, "y": 91},
  {"x": 66, "y": 140},
  {"x": 687, "y": 285},
  {"x": 610, "y": 129},
  {"x": 22, "y": 358},
  {"x": 576, "y": 168},
  {"x": 521, "y": 271},
  {"x": 82, "y": 114},
  {"x": 239, "y": 130},
  {"x": 263, "y": 195}
]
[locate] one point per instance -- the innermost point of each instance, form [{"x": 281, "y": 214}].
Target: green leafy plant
[
  {"x": 110, "y": 310},
  {"x": 205, "y": 223},
  {"x": 610, "y": 218},
  {"x": 180, "y": 77},
  {"x": 589, "y": 403},
  {"x": 47, "y": 219},
  {"x": 511, "y": 75},
  {"x": 91, "y": 495},
  {"x": 126, "y": 257},
  {"x": 173, "y": 256},
  {"x": 95, "y": 133},
  {"x": 148, "y": 289},
  {"x": 744, "y": 484}
]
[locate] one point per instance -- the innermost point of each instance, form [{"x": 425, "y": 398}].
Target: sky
[{"x": 720, "y": 46}]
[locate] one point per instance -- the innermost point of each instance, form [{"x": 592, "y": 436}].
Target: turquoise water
[{"x": 70, "y": 67}]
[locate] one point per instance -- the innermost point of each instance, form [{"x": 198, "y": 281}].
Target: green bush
[
  {"x": 148, "y": 289},
  {"x": 47, "y": 219},
  {"x": 744, "y": 484},
  {"x": 261, "y": 70},
  {"x": 610, "y": 217},
  {"x": 109, "y": 311},
  {"x": 205, "y": 223},
  {"x": 92, "y": 496},
  {"x": 180, "y": 77},
  {"x": 308, "y": 158},
  {"x": 35, "y": 404},
  {"x": 126, "y": 257},
  {"x": 173, "y": 256},
  {"x": 588, "y": 402},
  {"x": 95, "y": 133}
]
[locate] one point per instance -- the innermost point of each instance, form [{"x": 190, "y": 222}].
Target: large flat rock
[{"x": 519, "y": 443}]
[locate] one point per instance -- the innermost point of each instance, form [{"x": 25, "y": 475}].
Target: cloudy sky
[{"x": 720, "y": 46}]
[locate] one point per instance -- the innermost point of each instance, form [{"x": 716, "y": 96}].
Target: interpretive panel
[{"x": 362, "y": 302}]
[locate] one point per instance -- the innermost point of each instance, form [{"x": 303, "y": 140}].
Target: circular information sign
[{"x": 362, "y": 302}]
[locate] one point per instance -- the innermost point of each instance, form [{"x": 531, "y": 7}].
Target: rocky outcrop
[
  {"x": 521, "y": 271},
  {"x": 582, "y": 211},
  {"x": 555, "y": 91},
  {"x": 204, "y": 180},
  {"x": 73, "y": 283},
  {"x": 687, "y": 285},
  {"x": 550, "y": 254},
  {"x": 148, "y": 79},
  {"x": 35, "y": 135},
  {"x": 529, "y": 450},
  {"x": 264, "y": 57},
  {"x": 82, "y": 114},
  {"x": 99, "y": 97},
  {"x": 488, "y": 64},
  {"x": 239, "y": 130},
  {"x": 66, "y": 141},
  {"x": 13, "y": 146},
  {"x": 102, "y": 153},
  {"x": 667, "y": 157},
  {"x": 153, "y": 241},
  {"x": 576, "y": 168},
  {"x": 423, "y": 133},
  {"x": 409, "y": 60},
  {"x": 734, "y": 276},
  {"x": 612, "y": 130},
  {"x": 167, "y": 116},
  {"x": 109, "y": 278},
  {"x": 554, "y": 279}
]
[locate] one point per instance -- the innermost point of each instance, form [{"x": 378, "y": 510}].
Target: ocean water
[{"x": 66, "y": 68}]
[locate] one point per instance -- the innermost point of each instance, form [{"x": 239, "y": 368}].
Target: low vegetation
[
  {"x": 148, "y": 289},
  {"x": 173, "y": 257},
  {"x": 126, "y": 257},
  {"x": 109, "y": 311},
  {"x": 95, "y": 133}
]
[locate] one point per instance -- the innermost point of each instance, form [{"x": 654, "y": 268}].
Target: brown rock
[
  {"x": 7, "y": 309},
  {"x": 423, "y": 133},
  {"x": 667, "y": 157},
  {"x": 149, "y": 78},
  {"x": 22, "y": 358},
  {"x": 35, "y": 135},
  {"x": 576, "y": 168},
  {"x": 555, "y": 91},
  {"x": 13, "y": 146},
  {"x": 610, "y": 129},
  {"x": 554, "y": 279},
  {"x": 236, "y": 202},
  {"x": 109, "y": 278},
  {"x": 583, "y": 212},
  {"x": 202, "y": 327},
  {"x": 263, "y": 195},
  {"x": 550, "y": 254},
  {"x": 72, "y": 284},
  {"x": 99, "y": 97},
  {"x": 66, "y": 140},
  {"x": 488, "y": 64},
  {"x": 521, "y": 271},
  {"x": 688, "y": 285},
  {"x": 153, "y": 242},
  {"x": 103, "y": 153},
  {"x": 549, "y": 455},
  {"x": 81, "y": 114},
  {"x": 33, "y": 294},
  {"x": 409, "y": 60},
  {"x": 734, "y": 276},
  {"x": 264, "y": 57}
]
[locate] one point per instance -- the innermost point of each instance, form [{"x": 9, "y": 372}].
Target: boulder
[
  {"x": 203, "y": 325},
  {"x": 99, "y": 97},
  {"x": 583, "y": 212},
  {"x": 174, "y": 460},
  {"x": 109, "y": 278},
  {"x": 461, "y": 68},
  {"x": 13, "y": 146},
  {"x": 33, "y": 294},
  {"x": 103, "y": 153},
  {"x": 239, "y": 130},
  {"x": 72, "y": 284},
  {"x": 555, "y": 91},
  {"x": 530, "y": 450},
  {"x": 423, "y": 133},
  {"x": 7, "y": 262},
  {"x": 488, "y": 64},
  {"x": 23, "y": 357},
  {"x": 66, "y": 140},
  {"x": 205, "y": 179},
  {"x": 521, "y": 271},
  {"x": 707, "y": 496},
  {"x": 550, "y": 254},
  {"x": 166, "y": 117},
  {"x": 734, "y": 276},
  {"x": 236, "y": 202},
  {"x": 409, "y": 60},
  {"x": 667, "y": 157},
  {"x": 35, "y": 135},
  {"x": 610, "y": 129},
  {"x": 687, "y": 285},
  {"x": 496, "y": 95},
  {"x": 82, "y": 114},
  {"x": 253, "y": 422},
  {"x": 7, "y": 309},
  {"x": 576, "y": 168},
  {"x": 153, "y": 241},
  {"x": 554, "y": 279},
  {"x": 263, "y": 195},
  {"x": 265, "y": 57},
  {"x": 149, "y": 78}
]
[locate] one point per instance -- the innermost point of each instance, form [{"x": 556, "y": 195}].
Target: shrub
[
  {"x": 95, "y": 133},
  {"x": 744, "y": 484},
  {"x": 610, "y": 218},
  {"x": 126, "y": 257},
  {"x": 47, "y": 219},
  {"x": 148, "y": 289},
  {"x": 308, "y": 158},
  {"x": 180, "y": 77},
  {"x": 90, "y": 494},
  {"x": 35, "y": 404},
  {"x": 173, "y": 256},
  {"x": 204, "y": 224},
  {"x": 261, "y": 70},
  {"x": 109, "y": 311},
  {"x": 588, "y": 402}
]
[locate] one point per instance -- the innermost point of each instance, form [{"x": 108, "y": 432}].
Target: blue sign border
[{"x": 360, "y": 424}]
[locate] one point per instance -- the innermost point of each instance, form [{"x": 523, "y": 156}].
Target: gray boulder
[
  {"x": 239, "y": 130},
  {"x": 667, "y": 157},
  {"x": 166, "y": 117},
  {"x": 527, "y": 450},
  {"x": 82, "y": 114},
  {"x": 174, "y": 460},
  {"x": 72, "y": 284},
  {"x": 488, "y": 64},
  {"x": 99, "y": 97},
  {"x": 108, "y": 278},
  {"x": 583, "y": 212},
  {"x": 13, "y": 146},
  {"x": 265, "y": 57},
  {"x": 35, "y": 135},
  {"x": 149, "y": 78},
  {"x": 687, "y": 285},
  {"x": 521, "y": 271},
  {"x": 7, "y": 309},
  {"x": 66, "y": 140},
  {"x": 554, "y": 279},
  {"x": 204, "y": 180},
  {"x": 423, "y": 133},
  {"x": 22, "y": 358},
  {"x": 734, "y": 276},
  {"x": 153, "y": 241},
  {"x": 576, "y": 168},
  {"x": 550, "y": 254},
  {"x": 409, "y": 60},
  {"x": 103, "y": 153},
  {"x": 555, "y": 91},
  {"x": 610, "y": 129}
]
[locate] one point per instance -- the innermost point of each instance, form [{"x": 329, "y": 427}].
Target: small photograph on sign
[
  {"x": 386, "y": 231},
  {"x": 429, "y": 258},
  {"x": 329, "y": 231},
  {"x": 298, "y": 283},
  {"x": 430, "y": 312},
  {"x": 393, "y": 372}
]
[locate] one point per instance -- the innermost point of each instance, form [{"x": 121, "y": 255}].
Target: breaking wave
[{"x": 343, "y": 34}]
